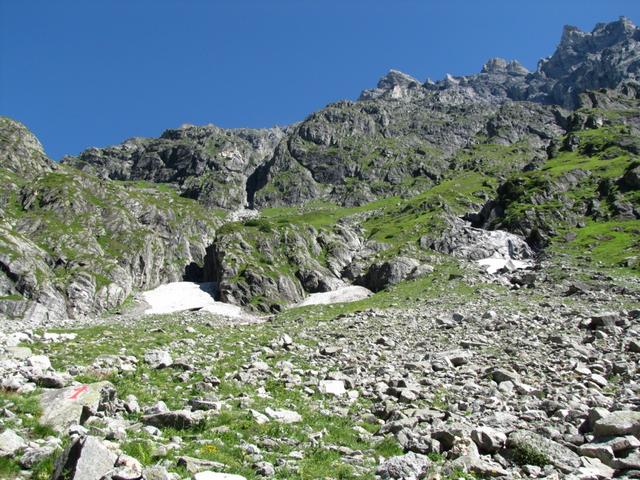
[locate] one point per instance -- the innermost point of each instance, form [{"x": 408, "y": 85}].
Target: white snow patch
[
  {"x": 493, "y": 265},
  {"x": 180, "y": 296},
  {"x": 242, "y": 214},
  {"x": 351, "y": 293}
]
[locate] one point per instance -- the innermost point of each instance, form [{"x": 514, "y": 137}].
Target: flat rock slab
[
  {"x": 332, "y": 387},
  {"x": 10, "y": 443},
  {"x": 62, "y": 408},
  {"x": 558, "y": 455},
  {"x": 616, "y": 424},
  {"x": 283, "y": 416},
  {"x": 179, "y": 419}
]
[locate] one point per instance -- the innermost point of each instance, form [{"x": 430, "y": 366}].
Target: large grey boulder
[
  {"x": 623, "y": 422},
  {"x": 411, "y": 466},
  {"x": 85, "y": 459},
  {"x": 557, "y": 455},
  {"x": 389, "y": 272},
  {"x": 179, "y": 419},
  {"x": 10, "y": 443},
  {"x": 158, "y": 359},
  {"x": 62, "y": 408},
  {"x": 631, "y": 178},
  {"x": 488, "y": 440}
]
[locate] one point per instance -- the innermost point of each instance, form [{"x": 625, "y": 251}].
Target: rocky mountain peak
[
  {"x": 577, "y": 47},
  {"x": 501, "y": 66},
  {"x": 602, "y": 36},
  {"x": 396, "y": 78},
  {"x": 20, "y": 150},
  {"x": 495, "y": 65},
  {"x": 602, "y": 58},
  {"x": 394, "y": 84}
]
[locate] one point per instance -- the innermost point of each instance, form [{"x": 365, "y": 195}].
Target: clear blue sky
[{"x": 93, "y": 73}]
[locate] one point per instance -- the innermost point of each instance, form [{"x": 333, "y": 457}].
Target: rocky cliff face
[
  {"x": 209, "y": 164},
  {"x": 401, "y": 137},
  {"x": 20, "y": 151},
  {"x": 72, "y": 244},
  {"x": 603, "y": 58}
]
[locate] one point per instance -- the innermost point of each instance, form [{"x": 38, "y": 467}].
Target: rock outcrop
[
  {"x": 72, "y": 244},
  {"x": 209, "y": 164}
]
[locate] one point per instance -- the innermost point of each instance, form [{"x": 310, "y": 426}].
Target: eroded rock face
[
  {"x": 603, "y": 58},
  {"x": 20, "y": 151},
  {"x": 462, "y": 240},
  {"x": 210, "y": 164},
  {"x": 583, "y": 61},
  {"x": 280, "y": 264},
  {"x": 73, "y": 245}
]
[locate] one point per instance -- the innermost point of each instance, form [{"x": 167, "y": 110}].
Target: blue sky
[{"x": 93, "y": 73}]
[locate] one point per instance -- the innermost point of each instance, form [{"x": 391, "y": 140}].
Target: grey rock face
[
  {"x": 343, "y": 152},
  {"x": 617, "y": 424},
  {"x": 20, "y": 151},
  {"x": 462, "y": 240},
  {"x": 279, "y": 263},
  {"x": 558, "y": 455},
  {"x": 410, "y": 466},
  {"x": 210, "y": 164},
  {"x": 73, "y": 245},
  {"x": 389, "y": 272},
  {"x": 86, "y": 459},
  {"x": 583, "y": 61}
]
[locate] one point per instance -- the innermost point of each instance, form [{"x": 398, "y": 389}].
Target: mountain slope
[
  {"x": 342, "y": 194},
  {"x": 400, "y": 137},
  {"x": 72, "y": 244}
]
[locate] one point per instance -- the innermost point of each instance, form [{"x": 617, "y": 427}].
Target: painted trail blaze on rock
[
  {"x": 78, "y": 391},
  {"x": 62, "y": 408}
]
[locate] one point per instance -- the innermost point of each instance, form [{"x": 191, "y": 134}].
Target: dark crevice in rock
[{"x": 256, "y": 181}]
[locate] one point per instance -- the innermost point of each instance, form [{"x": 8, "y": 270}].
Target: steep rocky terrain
[
  {"x": 495, "y": 219},
  {"x": 72, "y": 244}
]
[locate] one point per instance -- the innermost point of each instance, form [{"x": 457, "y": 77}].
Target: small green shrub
[{"x": 528, "y": 455}]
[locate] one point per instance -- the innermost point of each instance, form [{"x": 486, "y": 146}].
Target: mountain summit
[{"x": 602, "y": 58}]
